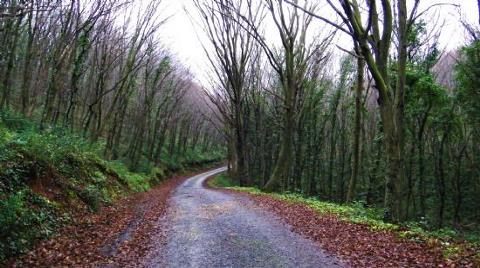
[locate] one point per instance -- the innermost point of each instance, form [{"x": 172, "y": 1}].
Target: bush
[
  {"x": 222, "y": 181},
  {"x": 158, "y": 174},
  {"x": 21, "y": 225},
  {"x": 92, "y": 197},
  {"x": 15, "y": 122},
  {"x": 134, "y": 181}
]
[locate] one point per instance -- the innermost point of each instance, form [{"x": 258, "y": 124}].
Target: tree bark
[{"x": 357, "y": 128}]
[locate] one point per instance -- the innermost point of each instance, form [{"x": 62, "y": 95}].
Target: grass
[
  {"x": 221, "y": 181},
  {"x": 450, "y": 240},
  {"x": 355, "y": 213}
]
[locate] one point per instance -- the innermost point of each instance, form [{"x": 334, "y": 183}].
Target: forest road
[{"x": 209, "y": 228}]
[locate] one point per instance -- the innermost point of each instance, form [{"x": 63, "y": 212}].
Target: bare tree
[
  {"x": 232, "y": 50},
  {"x": 290, "y": 64}
]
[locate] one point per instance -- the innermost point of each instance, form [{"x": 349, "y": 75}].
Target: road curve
[{"x": 209, "y": 228}]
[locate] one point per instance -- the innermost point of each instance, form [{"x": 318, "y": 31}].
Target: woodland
[{"x": 349, "y": 102}]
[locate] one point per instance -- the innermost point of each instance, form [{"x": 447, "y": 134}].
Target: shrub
[
  {"x": 21, "y": 225},
  {"x": 222, "y": 180},
  {"x": 14, "y": 121},
  {"x": 134, "y": 181},
  {"x": 92, "y": 197}
]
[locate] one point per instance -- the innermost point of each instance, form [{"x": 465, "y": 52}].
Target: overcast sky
[{"x": 184, "y": 38}]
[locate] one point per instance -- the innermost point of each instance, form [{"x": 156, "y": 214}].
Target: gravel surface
[{"x": 209, "y": 228}]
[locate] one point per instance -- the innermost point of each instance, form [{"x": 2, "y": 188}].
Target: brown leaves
[{"x": 357, "y": 244}]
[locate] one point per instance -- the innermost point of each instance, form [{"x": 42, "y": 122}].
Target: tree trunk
[
  {"x": 421, "y": 166},
  {"x": 27, "y": 68},
  {"x": 441, "y": 191},
  {"x": 7, "y": 79},
  {"x": 478, "y": 5},
  {"x": 357, "y": 128},
  {"x": 394, "y": 188},
  {"x": 240, "y": 172},
  {"x": 457, "y": 186},
  {"x": 282, "y": 167}
]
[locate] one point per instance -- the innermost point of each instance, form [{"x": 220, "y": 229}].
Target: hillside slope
[{"x": 48, "y": 176}]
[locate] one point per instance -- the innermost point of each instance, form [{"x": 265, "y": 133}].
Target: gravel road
[{"x": 209, "y": 228}]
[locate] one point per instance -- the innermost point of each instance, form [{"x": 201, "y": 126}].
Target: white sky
[{"x": 182, "y": 37}]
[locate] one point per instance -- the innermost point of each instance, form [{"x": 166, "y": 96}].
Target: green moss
[
  {"x": 355, "y": 213},
  {"x": 251, "y": 190}
]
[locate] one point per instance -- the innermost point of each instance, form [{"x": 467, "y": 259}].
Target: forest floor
[{"x": 185, "y": 223}]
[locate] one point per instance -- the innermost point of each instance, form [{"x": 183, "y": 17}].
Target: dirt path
[{"x": 210, "y": 228}]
